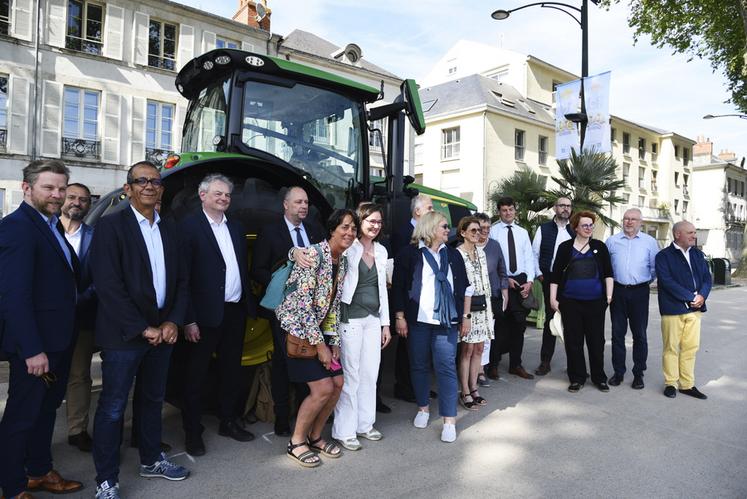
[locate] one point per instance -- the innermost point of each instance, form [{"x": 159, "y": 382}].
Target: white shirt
[
  {"x": 154, "y": 245},
  {"x": 75, "y": 238},
  {"x": 232, "y": 289},
  {"x": 562, "y": 237},
  {"x": 686, "y": 253},
  {"x": 428, "y": 289},
  {"x": 292, "y": 230},
  {"x": 524, "y": 254}
]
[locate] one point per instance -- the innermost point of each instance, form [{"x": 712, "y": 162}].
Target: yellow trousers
[{"x": 680, "y": 336}]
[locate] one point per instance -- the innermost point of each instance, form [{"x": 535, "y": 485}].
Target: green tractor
[{"x": 268, "y": 124}]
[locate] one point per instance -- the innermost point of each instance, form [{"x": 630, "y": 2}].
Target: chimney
[
  {"x": 727, "y": 155},
  {"x": 704, "y": 147},
  {"x": 247, "y": 14}
]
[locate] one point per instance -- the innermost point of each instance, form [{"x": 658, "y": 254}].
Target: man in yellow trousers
[{"x": 684, "y": 282}]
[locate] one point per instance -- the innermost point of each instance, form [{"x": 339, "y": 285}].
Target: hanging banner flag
[
  {"x": 567, "y": 101},
  {"x": 597, "y": 98}
]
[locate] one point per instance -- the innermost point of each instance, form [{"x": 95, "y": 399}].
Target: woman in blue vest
[
  {"x": 581, "y": 288},
  {"x": 431, "y": 299}
]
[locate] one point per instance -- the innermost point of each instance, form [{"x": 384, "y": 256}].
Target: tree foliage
[
  {"x": 709, "y": 29},
  {"x": 528, "y": 191},
  {"x": 590, "y": 181}
]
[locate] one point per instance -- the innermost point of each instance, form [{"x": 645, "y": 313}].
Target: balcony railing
[
  {"x": 3, "y": 139},
  {"x": 80, "y": 148},
  {"x": 649, "y": 213},
  {"x": 157, "y": 156}
]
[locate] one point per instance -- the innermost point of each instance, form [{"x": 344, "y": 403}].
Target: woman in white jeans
[{"x": 364, "y": 331}]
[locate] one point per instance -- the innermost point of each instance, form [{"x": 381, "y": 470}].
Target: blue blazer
[
  {"x": 206, "y": 269},
  {"x": 85, "y": 312},
  {"x": 122, "y": 275},
  {"x": 407, "y": 281},
  {"x": 37, "y": 287},
  {"x": 677, "y": 283}
]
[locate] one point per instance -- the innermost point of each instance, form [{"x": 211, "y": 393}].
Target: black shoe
[
  {"x": 575, "y": 387},
  {"x": 694, "y": 392},
  {"x": 670, "y": 391},
  {"x": 282, "y": 430},
  {"x": 82, "y": 441},
  {"x": 433, "y": 395},
  {"x": 194, "y": 445},
  {"x": 615, "y": 380},
  {"x": 602, "y": 386},
  {"x": 543, "y": 368},
  {"x": 638, "y": 383},
  {"x": 233, "y": 430},
  {"x": 382, "y": 407}
]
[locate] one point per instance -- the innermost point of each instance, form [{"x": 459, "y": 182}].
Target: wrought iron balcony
[
  {"x": 80, "y": 148},
  {"x": 3, "y": 139},
  {"x": 157, "y": 156}
]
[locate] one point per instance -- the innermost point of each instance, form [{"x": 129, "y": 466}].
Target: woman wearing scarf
[{"x": 431, "y": 297}]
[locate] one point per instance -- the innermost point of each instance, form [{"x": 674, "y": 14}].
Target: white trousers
[
  {"x": 485, "y": 354},
  {"x": 360, "y": 355}
]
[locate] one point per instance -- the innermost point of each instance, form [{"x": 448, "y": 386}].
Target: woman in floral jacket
[{"x": 311, "y": 311}]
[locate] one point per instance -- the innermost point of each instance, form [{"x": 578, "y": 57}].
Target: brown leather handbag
[{"x": 299, "y": 348}]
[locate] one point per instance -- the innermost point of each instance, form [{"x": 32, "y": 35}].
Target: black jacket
[
  {"x": 206, "y": 269},
  {"x": 124, "y": 284},
  {"x": 563, "y": 258}
]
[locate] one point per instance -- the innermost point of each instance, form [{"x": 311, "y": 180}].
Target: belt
[{"x": 633, "y": 286}]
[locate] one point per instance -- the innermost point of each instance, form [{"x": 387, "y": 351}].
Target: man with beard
[
  {"x": 37, "y": 312},
  {"x": 78, "y": 234},
  {"x": 546, "y": 241}
]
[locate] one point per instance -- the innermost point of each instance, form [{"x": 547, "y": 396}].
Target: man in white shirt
[
  {"x": 517, "y": 252},
  {"x": 216, "y": 258}
]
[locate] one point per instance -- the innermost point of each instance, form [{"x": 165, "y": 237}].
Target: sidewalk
[{"x": 533, "y": 439}]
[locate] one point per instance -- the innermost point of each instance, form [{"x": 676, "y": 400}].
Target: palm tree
[
  {"x": 528, "y": 191},
  {"x": 590, "y": 181}
]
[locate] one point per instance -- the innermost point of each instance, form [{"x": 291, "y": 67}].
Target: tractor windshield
[{"x": 314, "y": 130}]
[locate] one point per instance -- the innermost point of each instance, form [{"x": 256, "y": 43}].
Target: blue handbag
[{"x": 277, "y": 289}]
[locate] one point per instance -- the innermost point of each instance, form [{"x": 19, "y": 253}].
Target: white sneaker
[
  {"x": 350, "y": 443},
  {"x": 421, "y": 419},
  {"x": 373, "y": 434},
  {"x": 448, "y": 434}
]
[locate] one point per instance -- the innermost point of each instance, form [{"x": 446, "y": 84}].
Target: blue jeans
[
  {"x": 426, "y": 341},
  {"x": 118, "y": 370},
  {"x": 629, "y": 306}
]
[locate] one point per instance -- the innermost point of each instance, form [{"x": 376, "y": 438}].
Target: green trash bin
[{"x": 722, "y": 271}]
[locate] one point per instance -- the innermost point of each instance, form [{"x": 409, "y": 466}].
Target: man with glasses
[
  {"x": 545, "y": 245},
  {"x": 38, "y": 271},
  {"x": 517, "y": 252},
  {"x": 633, "y": 256},
  {"x": 135, "y": 263},
  {"x": 79, "y": 235}
]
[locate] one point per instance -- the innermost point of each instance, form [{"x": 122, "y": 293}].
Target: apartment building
[{"x": 490, "y": 111}]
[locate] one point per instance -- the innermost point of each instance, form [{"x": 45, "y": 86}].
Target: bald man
[{"x": 684, "y": 282}]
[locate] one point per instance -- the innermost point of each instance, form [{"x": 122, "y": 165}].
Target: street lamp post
[
  {"x": 711, "y": 116},
  {"x": 583, "y": 22}
]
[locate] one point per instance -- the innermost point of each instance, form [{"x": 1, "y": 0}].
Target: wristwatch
[{"x": 467, "y": 316}]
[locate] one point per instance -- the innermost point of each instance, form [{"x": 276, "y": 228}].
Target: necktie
[
  {"x": 299, "y": 239},
  {"x": 511, "y": 250},
  {"x": 60, "y": 239}
]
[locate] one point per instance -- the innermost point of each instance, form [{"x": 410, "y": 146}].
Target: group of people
[{"x": 130, "y": 285}]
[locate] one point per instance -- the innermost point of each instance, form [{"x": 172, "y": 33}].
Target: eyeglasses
[
  {"x": 587, "y": 226},
  {"x": 143, "y": 181},
  {"x": 485, "y": 229},
  {"x": 445, "y": 226},
  {"x": 375, "y": 223},
  {"x": 562, "y": 205},
  {"x": 628, "y": 219},
  {"x": 473, "y": 230}
]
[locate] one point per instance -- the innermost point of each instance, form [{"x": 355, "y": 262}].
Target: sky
[{"x": 649, "y": 85}]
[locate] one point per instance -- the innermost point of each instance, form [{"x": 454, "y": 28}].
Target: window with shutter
[
  {"x": 21, "y": 15},
  {"x": 80, "y": 125},
  {"x": 85, "y": 27},
  {"x": 4, "y": 17},
  {"x": 162, "y": 45},
  {"x": 114, "y": 32},
  {"x": 159, "y": 126},
  {"x": 3, "y": 111}
]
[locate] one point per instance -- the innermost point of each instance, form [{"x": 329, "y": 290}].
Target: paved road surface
[{"x": 534, "y": 439}]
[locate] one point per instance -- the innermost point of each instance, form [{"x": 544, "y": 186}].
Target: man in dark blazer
[
  {"x": 272, "y": 247},
  {"x": 79, "y": 235},
  {"x": 215, "y": 254},
  {"x": 37, "y": 306},
  {"x": 135, "y": 262}
]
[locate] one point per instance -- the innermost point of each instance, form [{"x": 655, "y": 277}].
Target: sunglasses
[
  {"x": 143, "y": 181},
  {"x": 444, "y": 226},
  {"x": 48, "y": 378}
]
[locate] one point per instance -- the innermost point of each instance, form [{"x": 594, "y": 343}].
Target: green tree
[
  {"x": 709, "y": 29},
  {"x": 528, "y": 191},
  {"x": 590, "y": 181}
]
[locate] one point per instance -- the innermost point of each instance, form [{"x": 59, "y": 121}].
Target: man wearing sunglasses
[
  {"x": 38, "y": 272},
  {"x": 135, "y": 263}
]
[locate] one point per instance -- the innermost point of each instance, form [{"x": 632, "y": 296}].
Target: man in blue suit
[
  {"x": 215, "y": 251},
  {"x": 37, "y": 312},
  {"x": 135, "y": 263},
  {"x": 79, "y": 234}
]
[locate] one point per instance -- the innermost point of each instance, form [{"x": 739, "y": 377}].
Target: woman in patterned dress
[
  {"x": 470, "y": 357},
  {"x": 311, "y": 311}
]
